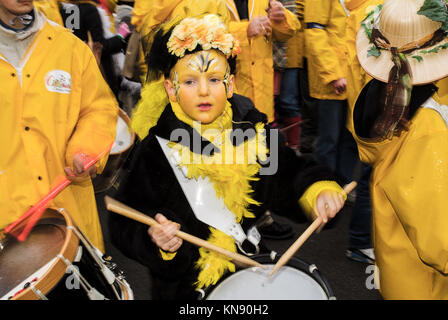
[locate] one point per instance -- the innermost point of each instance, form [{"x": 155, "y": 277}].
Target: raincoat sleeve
[
  {"x": 320, "y": 45},
  {"x": 286, "y": 29},
  {"x": 97, "y": 118},
  {"x": 420, "y": 197},
  {"x": 239, "y": 30}
]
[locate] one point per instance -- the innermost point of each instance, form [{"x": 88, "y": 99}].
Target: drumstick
[
  {"x": 120, "y": 208},
  {"x": 305, "y": 235},
  {"x": 39, "y": 207}
]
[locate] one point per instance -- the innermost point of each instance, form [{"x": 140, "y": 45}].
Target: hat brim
[{"x": 433, "y": 67}]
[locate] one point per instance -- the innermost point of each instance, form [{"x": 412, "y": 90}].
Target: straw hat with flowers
[
  {"x": 415, "y": 28},
  {"x": 403, "y": 43}
]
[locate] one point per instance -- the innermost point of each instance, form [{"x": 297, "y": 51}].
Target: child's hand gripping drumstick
[{"x": 305, "y": 235}]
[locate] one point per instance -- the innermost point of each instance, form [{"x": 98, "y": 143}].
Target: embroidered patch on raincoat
[{"x": 58, "y": 81}]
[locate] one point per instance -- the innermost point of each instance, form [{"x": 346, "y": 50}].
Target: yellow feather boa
[
  {"x": 149, "y": 108},
  {"x": 231, "y": 182}
]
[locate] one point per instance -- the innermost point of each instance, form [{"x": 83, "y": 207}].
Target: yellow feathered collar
[{"x": 231, "y": 172}]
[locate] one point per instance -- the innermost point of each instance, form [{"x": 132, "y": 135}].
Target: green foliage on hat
[{"x": 436, "y": 10}]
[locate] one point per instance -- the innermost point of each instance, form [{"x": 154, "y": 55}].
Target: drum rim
[
  {"x": 123, "y": 115},
  {"x": 58, "y": 268},
  {"x": 300, "y": 264}
]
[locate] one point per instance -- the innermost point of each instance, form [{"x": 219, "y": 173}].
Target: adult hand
[
  {"x": 276, "y": 12},
  {"x": 328, "y": 204},
  {"x": 164, "y": 236},
  {"x": 79, "y": 161},
  {"x": 259, "y": 26},
  {"x": 339, "y": 85}
]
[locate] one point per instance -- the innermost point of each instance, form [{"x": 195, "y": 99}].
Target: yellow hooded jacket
[
  {"x": 409, "y": 188},
  {"x": 56, "y": 105},
  {"x": 325, "y": 47},
  {"x": 357, "y": 78},
  {"x": 50, "y": 8},
  {"x": 255, "y": 72}
]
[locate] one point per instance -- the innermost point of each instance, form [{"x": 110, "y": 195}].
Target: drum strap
[
  {"x": 92, "y": 293},
  {"x": 96, "y": 254},
  {"x": 206, "y": 206}
]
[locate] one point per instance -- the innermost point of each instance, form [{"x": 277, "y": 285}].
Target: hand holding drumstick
[
  {"x": 325, "y": 212},
  {"x": 164, "y": 235}
]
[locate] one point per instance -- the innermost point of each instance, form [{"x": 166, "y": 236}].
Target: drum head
[
  {"x": 297, "y": 280},
  {"x": 254, "y": 284},
  {"x": 19, "y": 260}
]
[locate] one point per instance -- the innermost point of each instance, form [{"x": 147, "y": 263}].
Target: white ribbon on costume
[{"x": 206, "y": 206}]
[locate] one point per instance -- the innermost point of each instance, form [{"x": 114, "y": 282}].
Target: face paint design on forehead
[{"x": 202, "y": 62}]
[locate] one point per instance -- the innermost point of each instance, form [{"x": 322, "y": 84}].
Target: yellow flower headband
[{"x": 209, "y": 32}]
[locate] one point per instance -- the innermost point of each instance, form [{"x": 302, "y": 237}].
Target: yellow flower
[{"x": 209, "y": 32}]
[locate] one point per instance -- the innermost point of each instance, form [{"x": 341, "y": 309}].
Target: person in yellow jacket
[
  {"x": 360, "y": 241},
  {"x": 256, "y": 23},
  {"x": 57, "y": 112},
  {"x": 403, "y": 133},
  {"x": 51, "y": 10},
  {"x": 356, "y": 76},
  {"x": 327, "y": 69}
]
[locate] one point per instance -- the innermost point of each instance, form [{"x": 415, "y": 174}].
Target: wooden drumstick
[
  {"x": 305, "y": 235},
  {"x": 120, "y": 208}
]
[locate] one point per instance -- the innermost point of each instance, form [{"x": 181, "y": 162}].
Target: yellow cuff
[
  {"x": 167, "y": 255},
  {"x": 308, "y": 200}
]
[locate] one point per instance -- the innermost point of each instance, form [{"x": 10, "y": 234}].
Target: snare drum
[
  {"x": 297, "y": 280},
  {"x": 57, "y": 262},
  {"x": 124, "y": 140}
]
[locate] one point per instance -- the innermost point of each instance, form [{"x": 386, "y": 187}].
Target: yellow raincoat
[
  {"x": 442, "y": 94},
  {"x": 357, "y": 78},
  {"x": 296, "y": 44},
  {"x": 409, "y": 188},
  {"x": 50, "y": 8},
  {"x": 325, "y": 47},
  {"x": 254, "y": 70},
  {"x": 56, "y": 105}
]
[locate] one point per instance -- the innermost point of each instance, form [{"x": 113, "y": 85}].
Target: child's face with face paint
[{"x": 201, "y": 83}]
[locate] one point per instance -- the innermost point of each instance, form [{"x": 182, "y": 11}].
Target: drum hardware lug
[
  {"x": 36, "y": 291},
  {"x": 112, "y": 266},
  {"x": 257, "y": 249},
  {"x": 272, "y": 255},
  {"x": 201, "y": 294},
  {"x": 312, "y": 268}
]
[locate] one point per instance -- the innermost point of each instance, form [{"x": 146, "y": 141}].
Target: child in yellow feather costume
[{"x": 190, "y": 89}]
